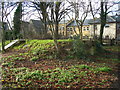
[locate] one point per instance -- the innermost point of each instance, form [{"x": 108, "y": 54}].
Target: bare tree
[
  {"x": 41, "y": 8},
  {"x": 56, "y": 14},
  {"x": 81, "y": 10},
  {"x": 104, "y": 7},
  {"x": 94, "y": 10}
]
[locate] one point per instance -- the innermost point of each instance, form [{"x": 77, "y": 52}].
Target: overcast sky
[{"x": 35, "y": 14}]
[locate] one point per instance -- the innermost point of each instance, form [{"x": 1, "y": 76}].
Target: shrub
[
  {"x": 79, "y": 49},
  {"x": 98, "y": 47}
]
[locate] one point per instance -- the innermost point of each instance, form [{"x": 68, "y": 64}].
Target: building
[
  {"x": 5, "y": 26},
  {"x": 111, "y": 29},
  {"x": 32, "y": 29},
  {"x": 70, "y": 28}
]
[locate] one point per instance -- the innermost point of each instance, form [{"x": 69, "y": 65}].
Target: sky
[{"x": 35, "y": 14}]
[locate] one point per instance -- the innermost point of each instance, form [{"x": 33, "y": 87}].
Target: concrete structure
[
  {"x": 5, "y": 26},
  {"x": 109, "y": 29},
  {"x": 32, "y": 29},
  {"x": 69, "y": 28}
]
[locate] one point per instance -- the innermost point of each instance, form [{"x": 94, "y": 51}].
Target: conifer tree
[{"x": 17, "y": 21}]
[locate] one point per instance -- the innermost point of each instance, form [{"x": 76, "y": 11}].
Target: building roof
[
  {"x": 110, "y": 19},
  {"x": 63, "y": 22},
  {"x": 38, "y": 25},
  {"x": 87, "y": 21},
  {"x": 74, "y": 23},
  {"x": 116, "y": 18}
]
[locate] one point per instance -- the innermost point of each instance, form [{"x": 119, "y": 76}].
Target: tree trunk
[
  {"x": 103, "y": 15},
  {"x": 94, "y": 29},
  {"x": 3, "y": 30},
  {"x": 56, "y": 30},
  {"x": 81, "y": 34},
  {"x": 101, "y": 33},
  {"x": 45, "y": 27},
  {"x": 56, "y": 46}
]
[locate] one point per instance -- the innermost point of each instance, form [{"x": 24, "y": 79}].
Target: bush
[
  {"x": 98, "y": 47},
  {"x": 8, "y": 35},
  {"x": 79, "y": 49}
]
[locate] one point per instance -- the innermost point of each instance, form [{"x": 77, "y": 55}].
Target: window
[
  {"x": 67, "y": 29},
  {"x": 87, "y": 28},
  {"x": 84, "y": 28},
  {"x": 70, "y": 29}
]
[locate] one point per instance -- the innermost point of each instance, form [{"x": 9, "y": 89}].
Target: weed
[
  {"x": 104, "y": 69},
  {"x": 38, "y": 75},
  {"x": 7, "y": 64},
  {"x": 35, "y": 58},
  {"x": 18, "y": 58},
  {"x": 16, "y": 70},
  {"x": 82, "y": 66}
]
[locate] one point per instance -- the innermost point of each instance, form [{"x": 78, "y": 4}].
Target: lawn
[{"x": 35, "y": 64}]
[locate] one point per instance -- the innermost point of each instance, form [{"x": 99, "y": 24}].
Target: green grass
[
  {"x": 59, "y": 76},
  {"x": 104, "y": 69},
  {"x": 73, "y": 73}
]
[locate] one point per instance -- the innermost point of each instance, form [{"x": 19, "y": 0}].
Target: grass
[
  {"x": 35, "y": 65},
  {"x": 104, "y": 69},
  {"x": 61, "y": 77}
]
